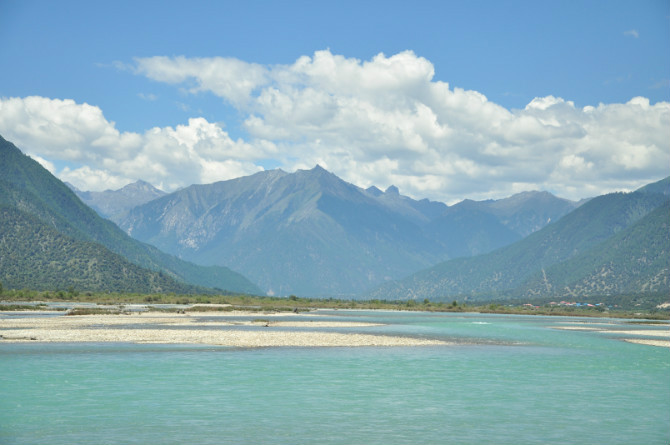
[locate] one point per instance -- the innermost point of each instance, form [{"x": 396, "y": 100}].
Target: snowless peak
[
  {"x": 140, "y": 186},
  {"x": 317, "y": 171},
  {"x": 374, "y": 191},
  {"x": 392, "y": 190},
  {"x": 320, "y": 172}
]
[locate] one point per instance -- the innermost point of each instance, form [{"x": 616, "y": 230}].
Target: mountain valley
[{"x": 312, "y": 234}]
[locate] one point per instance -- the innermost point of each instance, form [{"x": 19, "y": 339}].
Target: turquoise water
[{"x": 508, "y": 380}]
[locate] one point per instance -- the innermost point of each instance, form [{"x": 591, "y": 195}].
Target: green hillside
[
  {"x": 27, "y": 186},
  {"x": 635, "y": 260},
  {"x": 36, "y": 256},
  {"x": 662, "y": 187}
]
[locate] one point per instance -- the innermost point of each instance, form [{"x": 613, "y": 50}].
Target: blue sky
[{"x": 103, "y": 57}]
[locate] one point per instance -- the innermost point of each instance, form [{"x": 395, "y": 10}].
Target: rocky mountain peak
[{"x": 392, "y": 190}]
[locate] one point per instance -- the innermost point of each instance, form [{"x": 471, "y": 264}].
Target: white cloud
[
  {"x": 85, "y": 178},
  {"x": 229, "y": 78},
  {"x": 103, "y": 158},
  {"x": 378, "y": 122},
  {"x": 349, "y": 115},
  {"x": 44, "y": 163},
  {"x": 631, "y": 33}
]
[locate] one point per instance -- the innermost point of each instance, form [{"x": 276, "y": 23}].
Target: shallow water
[{"x": 508, "y": 380}]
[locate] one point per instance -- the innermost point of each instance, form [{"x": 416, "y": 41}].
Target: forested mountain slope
[{"x": 36, "y": 256}]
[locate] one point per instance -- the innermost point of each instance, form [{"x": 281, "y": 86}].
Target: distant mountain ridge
[
  {"x": 525, "y": 212},
  {"x": 28, "y": 187},
  {"x": 313, "y": 234},
  {"x": 114, "y": 203},
  {"x": 563, "y": 259}
]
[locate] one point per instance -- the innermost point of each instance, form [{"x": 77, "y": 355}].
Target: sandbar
[
  {"x": 576, "y": 328},
  {"x": 646, "y": 332},
  {"x": 663, "y": 333},
  {"x": 642, "y": 341},
  {"x": 173, "y": 328}
]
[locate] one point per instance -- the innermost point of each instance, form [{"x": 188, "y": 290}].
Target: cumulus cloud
[
  {"x": 87, "y": 178},
  {"x": 378, "y": 122},
  {"x": 101, "y": 157},
  {"x": 353, "y": 117},
  {"x": 229, "y": 78}
]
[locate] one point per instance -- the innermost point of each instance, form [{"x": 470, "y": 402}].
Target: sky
[{"x": 446, "y": 100}]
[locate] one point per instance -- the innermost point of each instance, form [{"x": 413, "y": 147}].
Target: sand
[
  {"x": 645, "y": 332},
  {"x": 663, "y": 333},
  {"x": 576, "y": 328},
  {"x": 642, "y": 341},
  {"x": 108, "y": 328}
]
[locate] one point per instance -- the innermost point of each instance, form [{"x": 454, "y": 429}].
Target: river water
[{"x": 503, "y": 380}]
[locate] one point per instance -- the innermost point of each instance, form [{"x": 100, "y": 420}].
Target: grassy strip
[
  {"x": 94, "y": 311},
  {"x": 293, "y": 304},
  {"x": 25, "y": 307}
]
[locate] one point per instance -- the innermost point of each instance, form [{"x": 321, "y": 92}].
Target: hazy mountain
[
  {"x": 28, "y": 187},
  {"x": 471, "y": 230},
  {"x": 308, "y": 232},
  {"x": 526, "y": 212},
  {"x": 496, "y": 223},
  {"x": 113, "y": 203},
  {"x": 311, "y": 233},
  {"x": 422, "y": 211},
  {"x": 501, "y": 272}
]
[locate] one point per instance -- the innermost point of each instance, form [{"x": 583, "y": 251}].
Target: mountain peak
[
  {"x": 374, "y": 191},
  {"x": 111, "y": 203},
  {"x": 140, "y": 186},
  {"x": 392, "y": 190},
  {"x": 524, "y": 198}
]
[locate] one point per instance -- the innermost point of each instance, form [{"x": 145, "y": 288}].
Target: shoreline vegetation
[{"x": 29, "y": 300}]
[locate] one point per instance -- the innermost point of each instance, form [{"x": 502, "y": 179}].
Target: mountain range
[
  {"x": 311, "y": 233},
  {"x": 29, "y": 193},
  {"x": 613, "y": 244}
]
